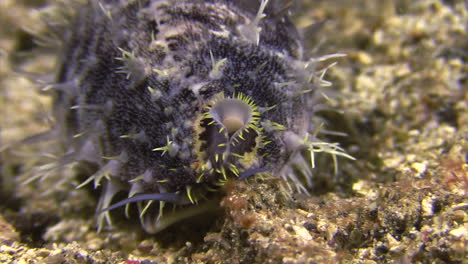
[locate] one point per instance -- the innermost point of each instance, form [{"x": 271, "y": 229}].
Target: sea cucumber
[{"x": 171, "y": 99}]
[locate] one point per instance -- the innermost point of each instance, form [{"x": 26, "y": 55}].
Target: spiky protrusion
[{"x": 251, "y": 31}]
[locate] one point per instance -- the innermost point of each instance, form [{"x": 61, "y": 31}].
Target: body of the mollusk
[{"x": 177, "y": 97}]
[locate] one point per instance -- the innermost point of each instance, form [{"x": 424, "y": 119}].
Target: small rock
[
  {"x": 302, "y": 232},
  {"x": 460, "y": 232}
]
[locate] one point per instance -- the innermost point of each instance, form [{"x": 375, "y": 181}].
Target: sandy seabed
[{"x": 402, "y": 93}]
